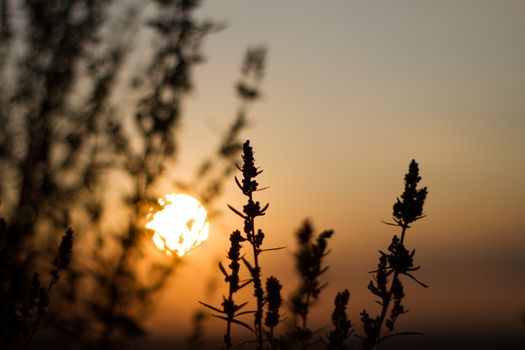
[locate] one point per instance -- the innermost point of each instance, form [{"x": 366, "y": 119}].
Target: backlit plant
[
  {"x": 255, "y": 237},
  {"x": 386, "y": 284},
  {"x": 397, "y": 262}
]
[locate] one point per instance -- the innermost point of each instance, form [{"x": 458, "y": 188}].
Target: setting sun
[{"x": 180, "y": 225}]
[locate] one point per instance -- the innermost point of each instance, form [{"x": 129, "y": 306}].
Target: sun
[{"x": 180, "y": 225}]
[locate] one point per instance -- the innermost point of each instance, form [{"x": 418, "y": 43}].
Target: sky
[{"x": 353, "y": 91}]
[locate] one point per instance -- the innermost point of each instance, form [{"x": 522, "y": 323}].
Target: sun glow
[{"x": 180, "y": 225}]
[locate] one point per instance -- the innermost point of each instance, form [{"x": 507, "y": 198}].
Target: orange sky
[{"x": 354, "y": 91}]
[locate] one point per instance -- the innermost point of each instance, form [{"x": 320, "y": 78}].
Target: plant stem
[
  {"x": 256, "y": 282},
  {"x": 387, "y": 299},
  {"x": 39, "y": 317},
  {"x": 227, "y": 337},
  {"x": 305, "y": 317}
]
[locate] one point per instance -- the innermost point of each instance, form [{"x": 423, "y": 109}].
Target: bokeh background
[{"x": 354, "y": 90}]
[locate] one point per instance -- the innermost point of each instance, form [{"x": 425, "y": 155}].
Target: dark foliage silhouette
[
  {"x": 65, "y": 135},
  {"x": 386, "y": 285},
  {"x": 273, "y": 301},
  {"x": 254, "y": 237},
  {"x": 19, "y": 318},
  {"x": 337, "y": 337},
  {"x": 310, "y": 268}
]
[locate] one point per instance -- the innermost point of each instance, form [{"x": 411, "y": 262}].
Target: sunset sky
[{"x": 354, "y": 90}]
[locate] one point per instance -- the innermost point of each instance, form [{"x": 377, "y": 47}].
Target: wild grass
[
  {"x": 63, "y": 135},
  {"x": 395, "y": 265},
  {"x": 19, "y": 318},
  {"x": 254, "y": 237},
  {"x": 66, "y": 132}
]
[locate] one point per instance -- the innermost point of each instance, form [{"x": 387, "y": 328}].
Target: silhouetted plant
[
  {"x": 19, "y": 321},
  {"x": 250, "y": 211},
  {"x": 309, "y": 266},
  {"x": 63, "y": 133},
  {"x": 337, "y": 337},
  {"x": 248, "y": 185},
  {"x": 230, "y": 310},
  {"x": 156, "y": 120},
  {"x": 309, "y": 261},
  {"x": 273, "y": 302},
  {"x": 387, "y": 285}
]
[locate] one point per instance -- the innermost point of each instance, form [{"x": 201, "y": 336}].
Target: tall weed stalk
[
  {"x": 387, "y": 284},
  {"x": 254, "y": 236},
  {"x": 309, "y": 266},
  {"x": 394, "y": 264}
]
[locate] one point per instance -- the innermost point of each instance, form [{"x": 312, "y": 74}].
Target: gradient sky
[{"x": 354, "y": 90}]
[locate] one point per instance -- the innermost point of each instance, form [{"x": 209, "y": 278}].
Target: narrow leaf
[
  {"x": 240, "y": 323},
  {"x": 245, "y": 313},
  {"x": 248, "y": 265},
  {"x": 238, "y": 183},
  {"x": 269, "y": 249},
  {"x": 211, "y": 307},
  {"x": 223, "y": 270},
  {"x": 246, "y": 283},
  {"x": 237, "y": 212},
  {"x": 238, "y": 307},
  {"x": 415, "y": 279},
  {"x": 265, "y": 207}
]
